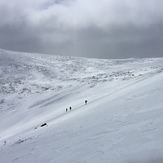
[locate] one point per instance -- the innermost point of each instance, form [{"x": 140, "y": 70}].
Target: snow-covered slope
[{"x": 122, "y": 121}]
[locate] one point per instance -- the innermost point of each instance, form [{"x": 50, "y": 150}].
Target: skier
[
  {"x": 85, "y": 102},
  {"x": 70, "y": 108},
  {"x": 66, "y": 109}
]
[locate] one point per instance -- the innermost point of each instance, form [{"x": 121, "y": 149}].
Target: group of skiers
[
  {"x": 45, "y": 124},
  {"x": 67, "y": 109},
  {"x": 71, "y": 108}
]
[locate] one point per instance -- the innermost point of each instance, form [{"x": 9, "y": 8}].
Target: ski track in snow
[{"x": 122, "y": 121}]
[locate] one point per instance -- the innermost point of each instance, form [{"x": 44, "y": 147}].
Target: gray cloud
[{"x": 91, "y": 28}]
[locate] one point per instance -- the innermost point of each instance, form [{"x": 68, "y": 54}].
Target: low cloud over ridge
[{"x": 92, "y": 28}]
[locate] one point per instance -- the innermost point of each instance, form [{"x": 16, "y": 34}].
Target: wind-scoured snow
[{"x": 122, "y": 122}]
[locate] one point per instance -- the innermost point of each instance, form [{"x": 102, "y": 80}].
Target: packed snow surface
[{"x": 122, "y": 121}]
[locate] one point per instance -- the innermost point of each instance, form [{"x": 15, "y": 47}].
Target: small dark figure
[
  {"x": 66, "y": 109},
  {"x": 44, "y": 124},
  {"x": 70, "y": 108},
  {"x": 85, "y": 102}
]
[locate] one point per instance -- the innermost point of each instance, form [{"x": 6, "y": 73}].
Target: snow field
[{"x": 122, "y": 121}]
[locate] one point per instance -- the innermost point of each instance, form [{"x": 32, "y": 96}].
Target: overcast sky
[{"x": 88, "y": 28}]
